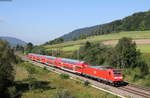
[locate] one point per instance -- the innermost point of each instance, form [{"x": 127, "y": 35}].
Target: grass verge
[{"x": 47, "y": 84}]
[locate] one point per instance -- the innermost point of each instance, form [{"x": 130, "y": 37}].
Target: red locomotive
[{"x": 101, "y": 73}]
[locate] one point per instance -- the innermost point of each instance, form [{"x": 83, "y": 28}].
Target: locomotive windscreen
[
  {"x": 117, "y": 72},
  {"x": 100, "y": 67}
]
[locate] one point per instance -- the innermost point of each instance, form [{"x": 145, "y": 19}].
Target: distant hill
[
  {"x": 13, "y": 41},
  {"x": 135, "y": 22}
]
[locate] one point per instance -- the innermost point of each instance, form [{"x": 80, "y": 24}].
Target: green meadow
[
  {"x": 74, "y": 45},
  {"x": 47, "y": 84},
  {"x": 145, "y": 48}
]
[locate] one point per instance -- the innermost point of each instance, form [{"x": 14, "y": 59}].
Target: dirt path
[{"x": 137, "y": 41}]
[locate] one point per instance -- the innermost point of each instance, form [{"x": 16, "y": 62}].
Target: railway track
[
  {"x": 139, "y": 87},
  {"x": 130, "y": 90},
  {"x": 137, "y": 92}
]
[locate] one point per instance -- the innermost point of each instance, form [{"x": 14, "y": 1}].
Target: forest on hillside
[{"x": 137, "y": 22}]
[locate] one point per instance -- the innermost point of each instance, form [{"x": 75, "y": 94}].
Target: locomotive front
[{"x": 117, "y": 77}]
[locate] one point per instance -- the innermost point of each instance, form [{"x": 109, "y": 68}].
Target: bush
[
  {"x": 86, "y": 83},
  {"x": 31, "y": 70},
  {"x": 12, "y": 92},
  {"x": 136, "y": 77},
  {"x": 45, "y": 68},
  {"x": 64, "y": 76},
  {"x": 78, "y": 82}
]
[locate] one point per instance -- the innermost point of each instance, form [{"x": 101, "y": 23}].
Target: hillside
[
  {"x": 137, "y": 21},
  {"x": 109, "y": 39},
  {"x": 13, "y": 41}
]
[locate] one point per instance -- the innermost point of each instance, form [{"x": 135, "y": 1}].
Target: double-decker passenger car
[
  {"x": 73, "y": 65},
  {"x": 101, "y": 73},
  {"x": 50, "y": 60}
]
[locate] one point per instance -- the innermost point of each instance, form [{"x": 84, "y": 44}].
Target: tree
[
  {"x": 55, "y": 41},
  {"x": 142, "y": 26},
  {"x": 29, "y": 47},
  {"x": 19, "y": 48},
  {"x": 112, "y": 57},
  {"x": 127, "y": 53},
  {"x": 38, "y": 50},
  {"x": 93, "y": 53},
  {"x": 75, "y": 38},
  {"x": 82, "y": 36},
  {"x": 7, "y": 60}
]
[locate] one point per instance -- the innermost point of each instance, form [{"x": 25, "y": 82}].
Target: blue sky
[{"x": 38, "y": 21}]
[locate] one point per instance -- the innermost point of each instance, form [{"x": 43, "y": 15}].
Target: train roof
[
  {"x": 100, "y": 67},
  {"x": 50, "y": 57},
  {"x": 71, "y": 60},
  {"x": 63, "y": 59},
  {"x": 35, "y": 54}
]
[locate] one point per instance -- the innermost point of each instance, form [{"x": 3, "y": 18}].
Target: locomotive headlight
[{"x": 120, "y": 77}]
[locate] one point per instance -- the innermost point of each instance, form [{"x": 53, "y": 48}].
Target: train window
[
  {"x": 78, "y": 67},
  {"x": 48, "y": 61},
  {"x": 68, "y": 68},
  {"x": 58, "y": 62},
  {"x": 117, "y": 73}
]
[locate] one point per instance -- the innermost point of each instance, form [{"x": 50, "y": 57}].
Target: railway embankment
[{"x": 129, "y": 90}]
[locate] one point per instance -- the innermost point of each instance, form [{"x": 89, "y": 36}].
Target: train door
[
  {"x": 109, "y": 75},
  {"x": 57, "y": 63},
  {"x": 78, "y": 69}
]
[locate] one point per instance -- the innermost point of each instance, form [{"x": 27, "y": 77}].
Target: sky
[{"x": 38, "y": 21}]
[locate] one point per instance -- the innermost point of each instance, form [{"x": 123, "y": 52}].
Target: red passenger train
[{"x": 101, "y": 73}]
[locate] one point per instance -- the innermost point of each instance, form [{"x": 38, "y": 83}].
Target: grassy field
[
  {"x": 66, "y": 48},
  {"x": 71, "y": 48},
  {"x": 73, "y": 45},
  {"x": 145, "y": 48},
  {"x": 131, "y": 34},
  {"x": 51, "y": 84}
]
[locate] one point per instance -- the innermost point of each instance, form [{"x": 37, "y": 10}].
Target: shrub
[
  {"x": 45, "y": 68},
  {"x": 64, "y": 76},
  {"x": 78, "y": 82},
  {"x": 86, "y": 83},
  {"x": 31, "y": 70},
  {"x": 12, "y": 92}
]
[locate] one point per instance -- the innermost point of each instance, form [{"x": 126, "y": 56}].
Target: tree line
[
  {"x": 55, "y": 41},
  {"x": 137, "y": 22},
  {"x": 124, "y": 55}
]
